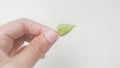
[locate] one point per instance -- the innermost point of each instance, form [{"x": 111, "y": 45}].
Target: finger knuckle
[
  {"x": 38, "y": 46},
  {"x": 5, "y": 42}
]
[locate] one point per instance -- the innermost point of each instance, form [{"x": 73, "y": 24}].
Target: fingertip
[{"x": 51, "y": 36}]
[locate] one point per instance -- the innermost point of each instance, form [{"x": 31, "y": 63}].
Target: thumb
[{"x": 36, "y": 49}]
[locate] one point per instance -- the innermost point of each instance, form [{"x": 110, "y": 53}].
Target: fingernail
[{"x": 51, "y": 36}]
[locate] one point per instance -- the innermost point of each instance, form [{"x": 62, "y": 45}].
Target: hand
[{"x": 12, "y": 37}]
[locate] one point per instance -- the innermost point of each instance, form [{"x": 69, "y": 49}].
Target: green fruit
[{"x": 64, "y": 29}]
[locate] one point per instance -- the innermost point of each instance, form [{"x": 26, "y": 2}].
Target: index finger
[{"x": 18, "y": 28}]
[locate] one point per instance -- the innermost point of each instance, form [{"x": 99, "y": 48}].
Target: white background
[{"x": 93, "y": 43}]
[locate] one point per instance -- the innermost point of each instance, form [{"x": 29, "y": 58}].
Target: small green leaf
[{"x": 64, "y": 29}]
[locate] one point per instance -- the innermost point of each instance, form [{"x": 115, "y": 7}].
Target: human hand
[{"x": 15, "y": 33}]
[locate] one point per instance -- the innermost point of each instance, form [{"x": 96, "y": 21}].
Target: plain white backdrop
[{"x": 93, "y": 43}]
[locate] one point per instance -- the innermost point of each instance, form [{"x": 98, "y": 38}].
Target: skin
[{"x": 13, "y": 35}]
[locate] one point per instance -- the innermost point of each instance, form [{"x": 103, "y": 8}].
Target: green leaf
[{"x": 64, "y": 29}]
